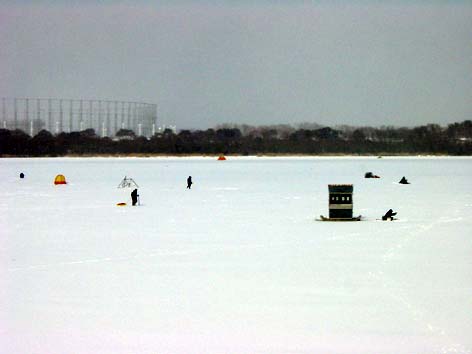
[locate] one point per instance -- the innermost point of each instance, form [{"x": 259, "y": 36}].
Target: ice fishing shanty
[{"x": 340, "y": 203}]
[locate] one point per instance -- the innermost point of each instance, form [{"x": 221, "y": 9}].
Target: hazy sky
[{"x": 254, "y": 62}]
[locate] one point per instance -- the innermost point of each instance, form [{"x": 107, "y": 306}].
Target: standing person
[
  {"x": 189, "y": 182},
  {"x": 134, "y": 196}
]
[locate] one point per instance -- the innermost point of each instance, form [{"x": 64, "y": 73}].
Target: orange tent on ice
[{"x": 60, "y": 179}]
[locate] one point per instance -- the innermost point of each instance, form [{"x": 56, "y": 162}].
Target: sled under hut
[
  {"x": 340, "y": 203},
  {"x": 128, "y": 182}
]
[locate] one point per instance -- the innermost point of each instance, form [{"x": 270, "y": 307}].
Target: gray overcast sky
[{"x": 254, "y": 62}]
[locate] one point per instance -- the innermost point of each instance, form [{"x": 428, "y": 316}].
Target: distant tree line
[{"x": 455, "y": 139}]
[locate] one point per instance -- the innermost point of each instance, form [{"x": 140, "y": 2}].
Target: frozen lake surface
[{"x": 238, "y": 263}]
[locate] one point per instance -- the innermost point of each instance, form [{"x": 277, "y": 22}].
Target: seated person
[
  {"x": 370, "y": 175},
  {"x": 389, "y": 215},
  {"x": 404, "y": 181}
]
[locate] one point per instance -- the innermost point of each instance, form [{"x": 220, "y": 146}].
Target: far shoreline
[{"x": 229, "y": 156}]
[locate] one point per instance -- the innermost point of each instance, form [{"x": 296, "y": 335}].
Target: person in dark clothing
[
  {"x": 134, "y": 196},
  {"x": 189, "y": 182},
  {"x": 370, "y": 175},
  {"x": 22, "y": 175},
  {"x": 404, "y": 181},
  {"x": 389, "y": 215}
]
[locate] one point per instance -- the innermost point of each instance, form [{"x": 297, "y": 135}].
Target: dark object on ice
[
  {"x": 340, "y": 203},
  {"x": 22, "y": 175},
  {"x": 370, "y": 175},
  {"x": 389, "y": 215},
  {"x": 324, "y": 218},
  {"x": 189, "y": 182},
  {"x": 404, "y": 181},
  {"x": 134, "y": 196}
]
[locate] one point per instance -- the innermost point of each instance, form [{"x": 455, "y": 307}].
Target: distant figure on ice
[
  {"x": 134, "y": 196},
  {"x": 22, "y": 175},
  {"x": 389, "y": 215},
  {"x": 404, "y": 181},
  {"x": 370, "y": 175},
  {"x": 189, "y": 182}
]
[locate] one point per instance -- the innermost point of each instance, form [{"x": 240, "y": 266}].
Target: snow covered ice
[{"x": 238, "y": 263}]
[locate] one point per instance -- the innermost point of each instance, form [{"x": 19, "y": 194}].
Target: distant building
[{"x": 59, "y": 115}]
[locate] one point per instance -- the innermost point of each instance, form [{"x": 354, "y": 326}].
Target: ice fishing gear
[
  {"x": 340, "y": 203},
  {"x": 128, "y": 182}
]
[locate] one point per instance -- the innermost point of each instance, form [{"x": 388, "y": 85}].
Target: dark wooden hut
[{"x": 340, "y": 203}]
